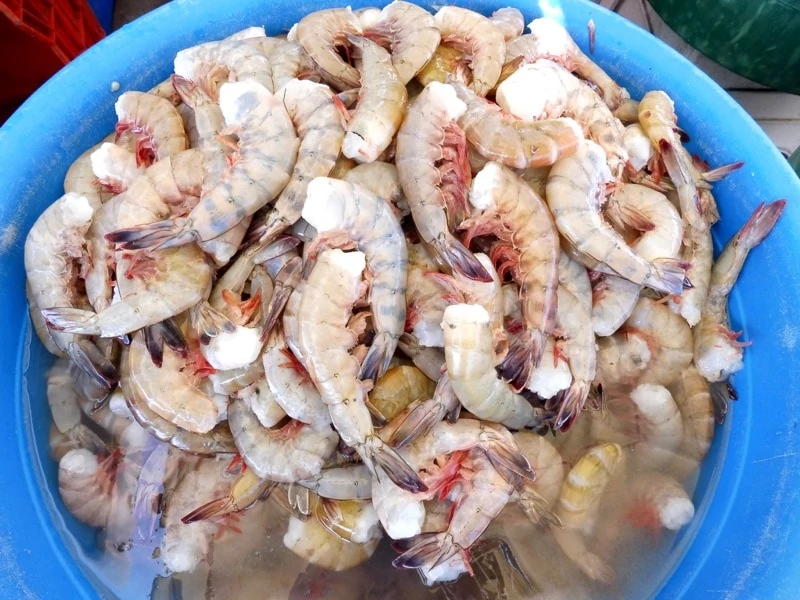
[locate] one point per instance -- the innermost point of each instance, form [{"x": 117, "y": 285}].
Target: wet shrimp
[
  {"x": 86, "y": 485},
  {"x": 314, "y": 543},
  {"x": 548, "y": 465},
  {"x": 427, "y": 360},
  {"x": 114, "y": 167},
  {"x": 339, "y": 209},
  {"x": 153, "y": 122},
  {"x": 247, "y": 490},
  {"x": 319, "y": 125},
  {"x": 352, "y": 482},
  {"x": 54, "y": 248},
  {"x": 552, "y": 375},
  {"x": 321, "y": 33},
  {"x": 381, "y": 179},
  {"x": 575, "y": 191},
  {"x": 477, "y": 36},
  {"x": 62, "y": 397},
  {"x": 717, "y": 352},
  {"x": 266, "y": 152},
  {"x": 519, "y": 144},
  {"x": 698, "y": 253},
  {"x": 574, "y": 278},
  {"x": 325, "y": 307},
  {"x": 545, "y": 90},
  {"x": 656, "y": 500},
  {"x": 381, "y": 106},
  {"x": 640, "y": 150},
  {"x": 293, "y": 452},
  {"x": 289, "y": 61},
  {"x": 613, "y": 299},
  {"x": 81, "y": 179},
  {"x": 352, "y": 520},
  {"x": 509, "y": 21},
  {"x": 529, "y": 249},
  {"x": 693, "y": 398}
]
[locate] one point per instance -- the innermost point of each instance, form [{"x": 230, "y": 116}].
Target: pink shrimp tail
[
  {"x": 523, "y": 356},
  {"x": 164, "y": 234},
  {"x": 760, "y": 223}
]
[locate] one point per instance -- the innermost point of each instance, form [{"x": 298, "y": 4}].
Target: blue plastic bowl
[{"x": 744, "y": 540}]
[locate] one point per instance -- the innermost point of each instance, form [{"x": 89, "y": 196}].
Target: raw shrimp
[
  {"x": 312, "y": 542},
  {"x": 352, "y": 520},
  {"x": 577, "y": 505},
  {"x": 289, "y": 61},
  {"x": 433, "y": 171},
  {"x": 613, "y": 299},
  {"x": 325, "y": 307},
  {"x": 62, "y": 397},
  {"x": 518, "y": 144},
  {"x": 574, "y": 278},
  {"x": 318, "y": 123},
  {"x": 334, "y": 207},
  {"x": 640, "y": 150},
  {"x": 469, "y": 351},
  {"x": 622, "y": 358},
  {"x": 290, "y": 384},
  {"x": 321, "y": 33},
  {"x": 247, "y": 490},
  {"x": 717, "y": 352},
  {"x": 399, "y": 388},
  {"x": 381, "y": 106},
  {"x": 650, "y": 212},
  {"x": 545, "y": 90},
  {"x": 548, "y": 39},
  {"x": 419, "y": 418},
  {"x": 509, "y": 21},
  {"x": 484, "y": 494},
  {"x": 447, "y": 64},
  {"x": 693, "y": 398},
  {"x": 698, "y": 253},
  {"x": 553, "y": 374},
  {"x": 208, "y": 65},
  {"x": 657, "y": 423},
  {"x": 381, "y": 179},
  {"x": 266, "y": 152},
  {"x": 295, "y": 451},
  {"x": 479, "y": 38},
  {"x": 154, "y": 123},
  {"x": 352, "y": 482},
  {"x": 260, "y": 399},
  {"x": 178, "y": 391},
  {"x": 574, "y": 193},
  {"x": 114, "y": 167},
  {"x": 427, "y": 360},
  {"x": 86, "y": 485},
  {"x": 529, "y": 249},
  {"x": 53, "y": 248},
  {"x": 548, "y": 465},
  {"x": 656, "y": 500},
  {"x": 80, "y": 178}
]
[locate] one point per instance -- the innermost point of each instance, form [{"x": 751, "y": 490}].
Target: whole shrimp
[
  {"x": 545, "y": 90},
  {"x": 154, "y": 123},
  {"x": 519, "y": 144},
  {"x": 479, "y": 38},
  {"x": 53, "y": 248},
  {"x": 717, "y": 353},
  {"x": 469, "y": 352},
  {"x": 575, "y": 191},
  {"x": 509, "y": 21},
  {"x": 86, "y": 485},
  {"x": 321, "y": 33},
  {"x": 529, "y": 249},
  {"x": 335, "y": 207},
  {"x": 548, "y": 39},
  {"x": 318, "y": 122},
  {"x": 434, "y": 173},
  {"x": 293, "y": 452},
  {"x": 325, "y": 307},
  {"x": 381, "y": 106},
  {"x": 266, "y": 152}
]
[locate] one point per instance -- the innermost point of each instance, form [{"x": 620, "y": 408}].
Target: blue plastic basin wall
[{"x": 745, "y": 539}]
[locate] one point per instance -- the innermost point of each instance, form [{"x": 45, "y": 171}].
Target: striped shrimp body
[
  {"x": 333, "y": 206},
  {"x": 325, "y": 307},
  {"x": 266, "y": 152},
  {"x": 434, "y": 173},
  {"x": 321, "y": 33},
  {"x": 154, "y": 123},
  {"x": 530, "y": 249}
]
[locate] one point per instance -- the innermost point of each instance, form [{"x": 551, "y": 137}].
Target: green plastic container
[{"x": 758, "y": 39}]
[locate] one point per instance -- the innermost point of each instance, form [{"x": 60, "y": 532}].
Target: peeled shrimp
[
  {"x": 86, "y": 485},
  {"x": 530, "y": 249},
  {"x": 509, "y": 21},
  {"x": 574, "y": 193},
  {"x": 717, "y": 353},
  {"x": 325, "y": 307},
  {"x": 154, "y": 123},
  {"x": 320, "y": 33},
  {"x": 545, "y": 90},
  {"x": 337, "y": 206},
  {"x": 266, "y": 152},
  {"x": 477, "y": 36},
  {"x": 515, "y": 143}
]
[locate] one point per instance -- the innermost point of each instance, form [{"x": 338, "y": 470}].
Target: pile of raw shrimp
[{"x": 386, "y": 268}]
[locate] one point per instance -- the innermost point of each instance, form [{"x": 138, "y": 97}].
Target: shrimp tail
[
  {"x": 418, "y": 422},
  {"x": 166, "y": 332},
  {"x": 71, "y": 320},
  {"x": 92, "y": 361},
  {"x": 760, "y": 224},
  {"x": 571, "y": 405},
  {"x": 285, "y": 282},
  {"x": 630, "y": 216},
  {"x": 507, "y": 460},
  {"x": 429, "y": 551},
  {"x": 459, "y": 259},
  {"x": 377, "y": 359},
  {"x": 721, "y": 395},
  {"x": 523, "y": 356},
  {"x": 668, "y": 276},
  {"x": 154, "y": 236},
  {"x": 380, "y": 454},
  {"x": 217, "y": 507},
  {"x": 536, "y": 508}
]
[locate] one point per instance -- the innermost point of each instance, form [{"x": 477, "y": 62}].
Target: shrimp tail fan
[
  {"x": 429, "y": 551},
  {"x": 164, "y": 234},
  {"x": 382, "y": 456},
  {"x": 460, "y": 259},
  {"x": 522, "y": 357},
  {"x": 377, "y": 359},
  {"x": 91, "y": 360}
]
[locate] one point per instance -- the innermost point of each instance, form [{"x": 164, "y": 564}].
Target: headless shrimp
[
  {"x": 640, "y": 150},
  {"x": 574, "y": 193},
  {"x": 63, "y": 399},
  {"x": 53, "y": 248},
  {"x": 247, "y": 490},
  {"x": 553, "y": 374},
  {"x": 427, "y": 360},
  {"x": 545, "y": 90},
  {"x": 318, "y": 123},
  {"x": 335, "y": 207},
  {"x": 656, "y": 500},
  {"x": 717, "y": 352},
  {"x": 530, "y": 250},
  {"x": 657, "y": 428},
  {"x": 114, "y": 167},
  {"x": 314, "y": 543},
  {"x": 81, "y": 179},
  {"x": 86, "y": 485},
  {"x": 509, "y": 21},
  {"x": 515, "y": 143},
  {"x": 289, "y": 61},
  {"x": 381, "y": 104},
  {"x": 622, "y": 358},
  {"x": 479, "y": 38},
  {"x": 321, "y": 33},
  {"x": 266, "y": 151},
  {"x": 295, "y": 451},
  {"x": 698, "y": 253},
  {"x": 154, "y": 123},
  {"x": 433, "y": 171},
  {"x": 574, "y": 278},
  {"x": 325, "y": 307}
]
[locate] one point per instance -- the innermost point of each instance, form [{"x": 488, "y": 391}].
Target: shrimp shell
[{"x": 320, "y": 33}]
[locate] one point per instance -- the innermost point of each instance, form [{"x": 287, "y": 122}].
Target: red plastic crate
[{"x": 42, "y": 36}]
